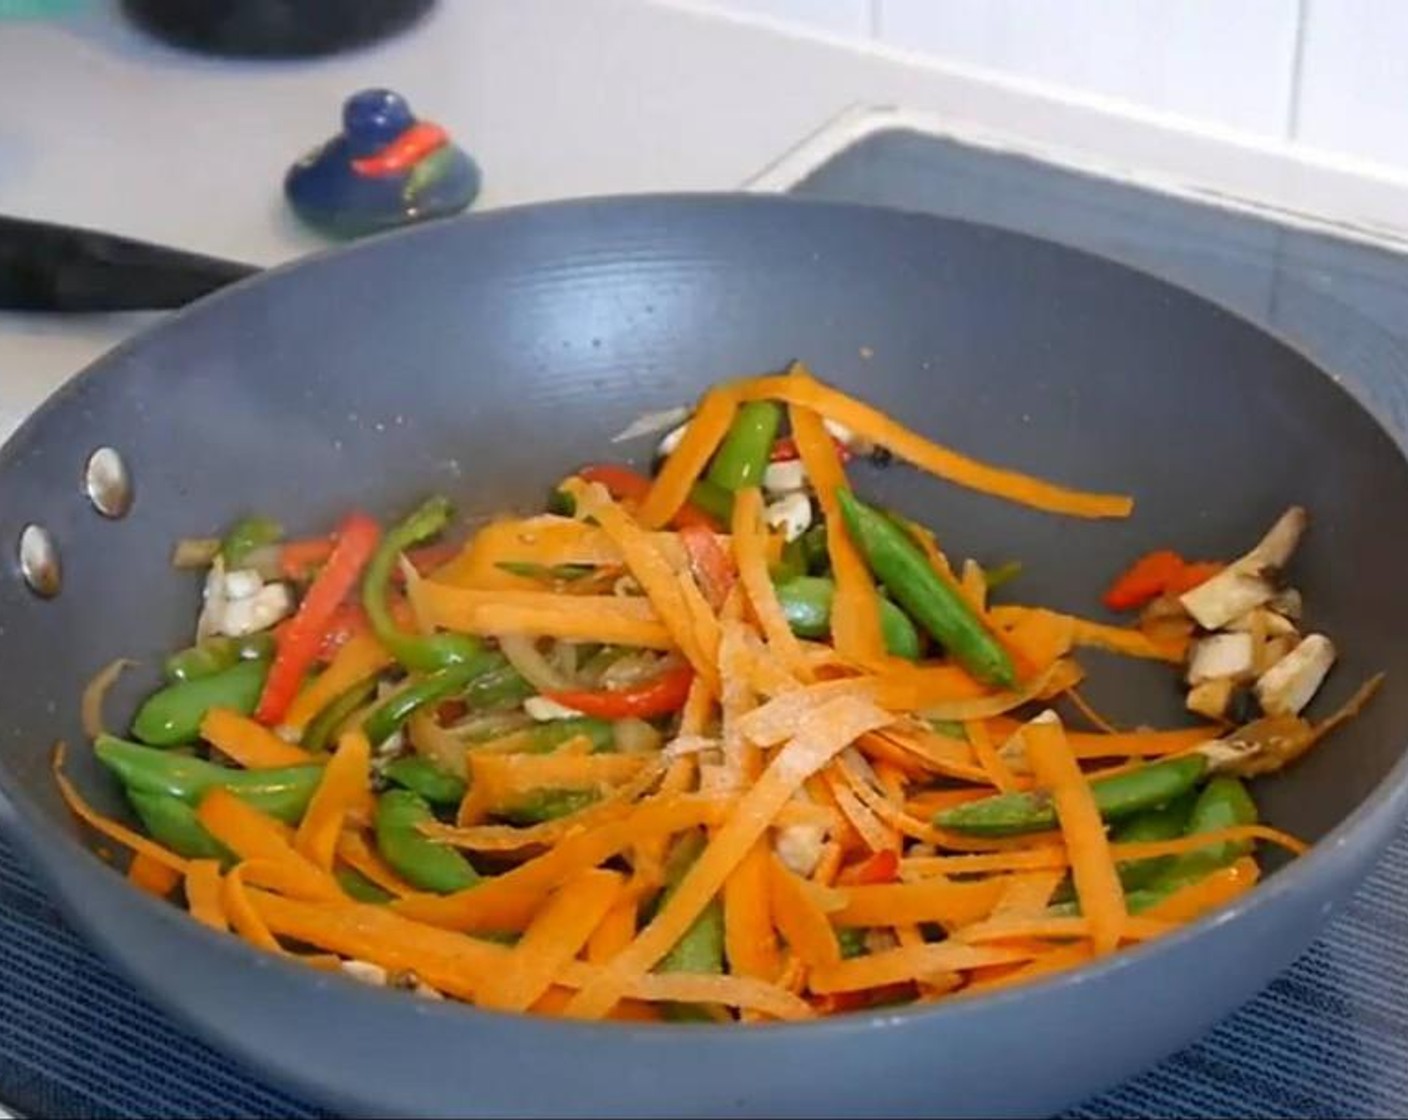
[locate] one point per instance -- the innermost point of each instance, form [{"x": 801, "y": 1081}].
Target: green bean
[
  {"x": 323, "y": 727},
  {"x": 1117, "y": 797},
  {"x": 901, "y": 566},
  {"x": 215, "y": 655},
  {"x": 806, "y": 602},
  {"x": 170, "y": 821},
  {"x": 282, "y": 792},
  {"x": 412, "y": 855},
  {"x": 742, "y": 457},
  {"x": 247, "y": 535},
  {"x": 420, "y": 775},
  {"x": 358, "y": 887},
  {"x": 173, "y": 714}
]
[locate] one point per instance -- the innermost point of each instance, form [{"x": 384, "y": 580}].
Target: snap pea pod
[
  {"x": 247, "y": 535},
  {"x": 548, "y": 805},
  {"x": 1168, "y": 822},
  {"x": 713, "y": 499},
  {"x": 359, "y": 888},
  {"x": 411, "y": 854},
  {"x": 420, "y": 775},
  {"x": 422, "y": 652},
  {"x": 282, "y": 792},
  {"x": 701, "y": 947},
  {"x": 215, "y": 655},
  {"x": 171, "y": 822},
  {"x": 904, "y": 570},
  {"x": 814, "y": 551},
  {"x": 949, "y": 728},
  {"x": 173, "y": 714},
  {"x": 792, "y": 564},
  {"x": 1117, "y": 797},
  {"x": 743, "y": 455},
  {"x": 323, "y": 727},
  {"x": 806, "y": 601},
  {"x": 852, "y": 941},
  {"x": 392, "y": 712}
]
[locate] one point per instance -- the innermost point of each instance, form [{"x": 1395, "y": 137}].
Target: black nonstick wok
[{"x": 484, "y": 357}]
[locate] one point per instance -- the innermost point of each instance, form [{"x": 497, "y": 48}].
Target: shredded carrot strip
[
  {"x": 252, "y": 835},
  {"x": 615, "y": 930},
  {"x": 248, "y": 743},
  {"x": 993, "y": 765},
  {"x": 781, "y": 717},
  {"x": 353, "y": 850},
  {"x": 1004, "y": 929},
  {"x": 1130, "y": 642},
  {"x": 612, "y": 619},
  {"x": 1056, "y": 959},
  {"x": 799, "y": 388},
  {"x": 799, "y": 919},
  {"x": 1036, "y": 859},
  {"x": 832, "y": 727},
  {"x": 750, "y": 941},
  {"x": 749, "y": 546},
  {"x": 345, "y": 788},
  {"x": 1125, "y": 744},
  {"x": 682, "y": 469},
  {"x": 1027, "y": 896},
  {"x": 244, "y": 918},
  {"x": 1235, "y": 835},
  {"x": 868, "y": 826},
  {"x": 151, "y": 875},
  {"x": 108, "y": 827},
  {"x": 1088, "y": 710},
  {"x": 896, "y": 965},
  {"x": 502, "y": 902},
  {"x": 1092, "y": 867},
  {"x": 205, "y": 894},
  {"x": 855, "y": 610},
  {"x": 1217, "y": 889},
  {"x": 557, "y": 934},
  {"x": 691, "y": 624},
  {"x": 953, "y": 904},
  {"x": 357, "y": 659}
]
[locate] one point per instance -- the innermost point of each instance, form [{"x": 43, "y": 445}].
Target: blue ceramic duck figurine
[{"x": 385, "y": 169}]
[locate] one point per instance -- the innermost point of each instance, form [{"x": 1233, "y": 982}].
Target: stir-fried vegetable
[{"x": 726, "y": 743}]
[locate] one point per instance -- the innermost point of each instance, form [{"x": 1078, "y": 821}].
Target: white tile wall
[
  {"x": 851, "y": 18},
  {"x": 1353, "y": 90},
  {"x": 1223, "y": 62}
]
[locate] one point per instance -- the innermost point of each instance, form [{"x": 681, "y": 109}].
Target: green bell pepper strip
[
  {"x": 412, "y": 855},
  {"x": 548, "y": 805},
  {"x": 171, "y": 822},
  {"x": 903, "y": 569},
  {"x": 500, "y": 685},
  {"x": 282, "y": 792},
  {"x": 701, "y": 947},
  {"x": 422, "y": 652},
  {"x": 173, "y": 714},
  {"x": 1117, "y": 797},
  {"x": 215, "y": 655},
  {"x": 806, "y": 602},
  {"x": 247, "y": 535},
  {"x": 392, "y": 712},
  {"x": 420, "y": 775},
  {"x": 323, "y": 727},
  {"x": 359, "y": 888},
  {"x": 743, "y": 455}
]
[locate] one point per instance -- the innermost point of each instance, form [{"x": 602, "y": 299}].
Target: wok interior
[{"x": 486, "y": 358}]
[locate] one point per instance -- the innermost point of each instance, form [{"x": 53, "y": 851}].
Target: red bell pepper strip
[
  {"x": 656, "y": 697},
  {"x": 299, "y": 644},
  {"x": 1146, "y": 579},
  {"x": 622, "y": 483},
  {"x": 877, "y": 868},
  {"x": 1193, "y": 575},
  {"x": 784, "y": 450},
  {"x": 713, "y": 568}
]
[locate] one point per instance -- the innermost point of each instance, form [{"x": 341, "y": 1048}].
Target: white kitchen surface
[{"x": 560, "y": 98}]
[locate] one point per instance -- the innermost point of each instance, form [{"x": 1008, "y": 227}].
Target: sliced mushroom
[
  {"x": 1265, "y": 621},
  {"x": 272, "y": 603},
  {"x": 792, "y": 515},
  {"x": 1273, "y": 650},
  {"x": 1211, "y": 699},
  {"x": 543, "y": 710},
  {"x": 786, "y": 477},
  {"x": 1288, "y": 604},
  {"x": 1290, "y": 684},
  {"x": 1221, "y": 657},
  {"x": 1248, "y": 582}
]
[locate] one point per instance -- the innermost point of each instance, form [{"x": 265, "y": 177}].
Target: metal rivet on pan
[
  {"x": 107, "y": 484},
  {"x": 39, "y": 561}
]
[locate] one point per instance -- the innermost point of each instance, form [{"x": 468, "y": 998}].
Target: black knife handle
[{"x": 49, "y": 267}]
